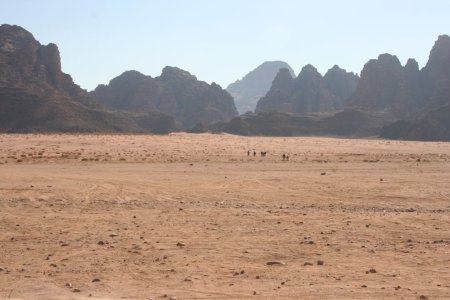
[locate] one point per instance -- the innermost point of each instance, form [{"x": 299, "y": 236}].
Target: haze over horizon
[{"x": 221, "y": 42}]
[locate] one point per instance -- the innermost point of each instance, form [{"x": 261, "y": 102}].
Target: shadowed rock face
[
  {"x": 25, "y": 63},
  {"x": 434, "y": 126},
  {"x": 436, "y": 75},
  {"x": 309, "y": 92},
  {"x": 35, "y": 95},
  {"x": 420, "y": 97},
  {"x": 176, "y": 93},
  {"x": 388, "y": 87},
  {"x": 247, "y": 91},
  {"x": 273, "y": 123}
]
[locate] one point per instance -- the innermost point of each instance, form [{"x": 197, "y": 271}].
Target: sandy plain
[{"x": 188, "y": 216}]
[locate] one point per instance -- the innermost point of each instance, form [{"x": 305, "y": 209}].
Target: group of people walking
[{"x": 263, "y": 154}]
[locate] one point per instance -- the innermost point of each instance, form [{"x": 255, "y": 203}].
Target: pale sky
[{"x": 221, "y": 41}]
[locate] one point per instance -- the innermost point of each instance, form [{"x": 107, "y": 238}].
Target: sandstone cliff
[
  {"x": 35, "y": 95},
  {"x": 176, "y": 93},
  {"x": 310, "y": 92}
]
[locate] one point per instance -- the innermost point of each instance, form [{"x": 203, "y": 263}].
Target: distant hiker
[
  {"x": 284, "y": 156},
  {"x": 248, "y": 153},
  {"x": 287, "y": 157},
  {"x": 254, "y": 153},
  {"x": 263, "y": 154}
]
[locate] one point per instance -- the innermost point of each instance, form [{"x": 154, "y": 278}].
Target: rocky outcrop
[
  {"x": 309, "y": 92},
  {"x": 404, "y": 92},
  {"x": 340, "y": 83},
  {"x": 388, "y": 87},
  {"x": 432, "y": 120},
  {"x": 247, "y": 91},
  {"x": 176, "y": 93},
  {"x": 436, "y": 75},
  {"x": 434, "y": 126},
  {"x": 35, "y": 95},
  {"x": 348, "y": 123}
]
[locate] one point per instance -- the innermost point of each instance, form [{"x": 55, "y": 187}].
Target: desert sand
[{"x": 188, "y": 216}]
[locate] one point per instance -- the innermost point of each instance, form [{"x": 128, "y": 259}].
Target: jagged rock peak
[
  {"x": 441, "y": 48},
  {"x": 130, "y": 76},
  {"x": 283, "y": 76},
  {"x": 174, "y": 73},
  {"x": 389, "y": 60},
  {"x": 309, "y": 70},
  {"x": 255, "y": 84},
  {"x": 412, "y": 65},
  {"x": 338, "y": 70},
  {"x": 15, "y": 30},
  {"x": 264, "y": 73},
  {"x": 132, "y": 73},
  {"x": 439, "y": 60}
]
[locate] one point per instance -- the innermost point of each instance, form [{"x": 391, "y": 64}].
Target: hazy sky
[{"x": 221, "y": 41}]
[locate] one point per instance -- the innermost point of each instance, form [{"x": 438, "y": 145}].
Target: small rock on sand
[{"x": 275, "y": 263}]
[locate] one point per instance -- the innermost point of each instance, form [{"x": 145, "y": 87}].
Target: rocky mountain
[
  {"x": 35, "y": 95},
  {"x": 436, "y": 75},
  {"x": 419, "y": 98},
  {"x": 247, "y": 91},
  {"x": 310, "y": 92},
  {"x": 405, "y": 91},
  {"x": 387, "y": 86},
  {"x": 175, "y": 92}
]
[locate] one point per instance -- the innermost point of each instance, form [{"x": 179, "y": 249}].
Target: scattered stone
[
  {"x": 323, "y": 173},
  {"x": 372, "y": 270},
  {"x": 53, "y": 265},
  {"x": 75, "y": 290},
  {"x": 64, "y": 245},
  {"x": 275, "y": 263},
  {"x": 101, "y": 243},
  {"x": 181, "y": 244},
  {"x": 113, "y": 234},
  {"x": 173, "y": 298},
  {"x": 69, "y": 285},
  {"x": 95, "y": 280},
  {"x": 423, "y": 297},
  {"x": 254, "y": 292},
  {"x": 242, "y": 272},
  {"x": 364, "y": 286},
  {"x": 320, "y": 262},
  {"x": 307, "y": 264},
  {"x": 258, "y": 277}
]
